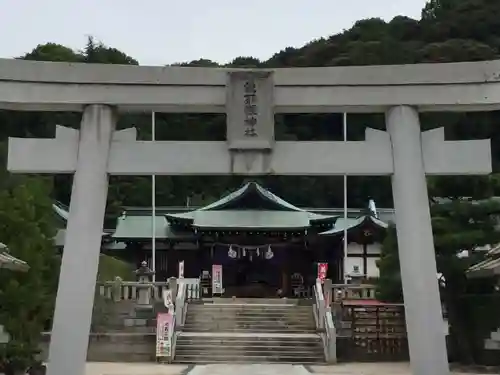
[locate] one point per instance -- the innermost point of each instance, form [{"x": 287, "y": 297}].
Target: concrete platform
[{"x": 96, "y": 368}]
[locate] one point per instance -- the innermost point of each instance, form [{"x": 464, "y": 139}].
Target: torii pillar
[
  {"x": 96, "y": 151},
  {"x": 424, "y": 318},
  {"x": 80, "y": 261}
]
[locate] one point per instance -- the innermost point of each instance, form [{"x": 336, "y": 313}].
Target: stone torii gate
[{"x": 250, "y": 98}]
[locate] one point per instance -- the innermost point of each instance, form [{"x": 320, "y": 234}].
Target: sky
[{"x": 159, "y": 32}]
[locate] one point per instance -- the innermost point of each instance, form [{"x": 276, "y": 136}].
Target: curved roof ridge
[
  {"x": 263, "y": 192},
  {"x": 9, "y": 261},
  {"x": 61, "y": 210},
  {"x": 224, "y": 200},
  {"x": 341, "y": 224},
  {"x": 271, "y": 196}
]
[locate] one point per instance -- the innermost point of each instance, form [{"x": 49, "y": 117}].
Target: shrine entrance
[
  {"x": 252, "y": 271},
  {"x": 250, "y": 98},
  {"x": 253, "y": 279}
]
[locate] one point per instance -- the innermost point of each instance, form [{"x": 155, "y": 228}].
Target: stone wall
[{"x": 115, "y": 347}]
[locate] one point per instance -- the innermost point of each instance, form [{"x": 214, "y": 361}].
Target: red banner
[
  {"x": 164, "y": 332},
  {"x": 322, "y": 270},
  {"x": 217, "y": 279}
]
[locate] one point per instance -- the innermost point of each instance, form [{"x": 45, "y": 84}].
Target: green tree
[
  {"x": 27, "y": 228},
  {"x": 388, "y": 284},
  {"x": 458, "y": 226},
  {"x": 53, "y": 52},
  {"x": 97, "y": 52},
  {"x": 449, "y": 31}
]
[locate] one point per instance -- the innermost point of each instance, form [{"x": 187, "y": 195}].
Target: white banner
[
  {"x": 167, "y": 300},
  {"x": 181, "y": 269},
  {"x": 217, "y": 279}
]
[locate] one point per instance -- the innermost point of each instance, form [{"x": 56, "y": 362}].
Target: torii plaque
[{"x": 97, "y": 151}]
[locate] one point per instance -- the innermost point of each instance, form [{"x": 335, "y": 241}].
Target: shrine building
[{"x": 262, "y": 242}]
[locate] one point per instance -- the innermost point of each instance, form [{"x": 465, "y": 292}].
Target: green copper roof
[
  {"x": 352, "y": 223},
  {"x": 251, "y": 219},
  {"x": 251, "y": 188},
  {"x": 250, "y": 207},
  {"x": 62, "y": 213},
  {"x": 489, "y": 267},
  {"x": 141, "y": 227}
]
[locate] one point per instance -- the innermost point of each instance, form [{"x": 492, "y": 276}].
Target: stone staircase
[{"x": 249, "y": 331}]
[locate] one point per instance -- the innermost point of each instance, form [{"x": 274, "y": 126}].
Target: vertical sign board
[
  {"x": 217, "y": 279},
  {"x": 250, "y": 110},
  {"x": 164, "y": 331},
  {"x": 322, "y": 270}
]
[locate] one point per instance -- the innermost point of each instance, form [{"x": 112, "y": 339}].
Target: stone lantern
[
  {"x": 144, "y": 273},
  {"x": 355, "y": 277}
]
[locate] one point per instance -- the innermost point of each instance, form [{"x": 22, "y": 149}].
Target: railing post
[
  {"x": 320, "y": 303},
  {"x": 179, "y": 304},
  {"x": 327, "y": 291},
  {"x": 332, "y": 338},
  {"x": 117, "y": 289},
  {"x": 173, "y": 286}
]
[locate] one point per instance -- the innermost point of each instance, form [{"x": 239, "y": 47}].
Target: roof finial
[{"x": 372, "y": 208}]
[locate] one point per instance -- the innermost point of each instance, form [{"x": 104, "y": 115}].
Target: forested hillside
[{"x": 449, "y": 30}]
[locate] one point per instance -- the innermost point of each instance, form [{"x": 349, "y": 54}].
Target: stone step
[
  {"x": 244, "y": 351},
  {"x": 224, "y": 358},
  {"x": 243, "y": 330},
  {"x": 262, "y": 333},
  {"x": 248, "y": 319},
  {"x": 254, "y": 302},
  {"x": 280, "y": 322},
  {"x": 236, "y": 307},
  {"x": 217, "y": 317},
  {"x": 247, "y": 324},
  {"x": 264, "y": 339},
  {"x": 247, "y": 314},
  {"x": 249, "y": 345},
  {"x": 249, "y": 308}
]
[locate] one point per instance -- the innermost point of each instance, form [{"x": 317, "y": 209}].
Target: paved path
[{"x": 253, "y": 369}]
